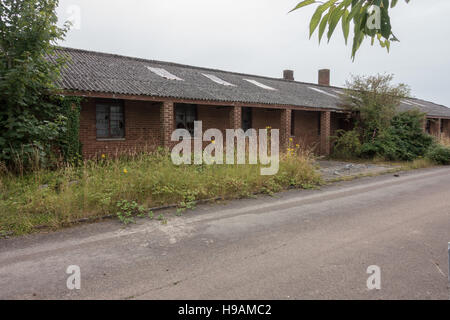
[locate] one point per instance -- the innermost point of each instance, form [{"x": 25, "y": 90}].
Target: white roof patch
[
  {"x": 407, "y": 102},
  {"x": 164, "y": 73},
  {"x": 418, "y": 104},
  {"x": 324, "y": 92},
  {"x": 218, "y": 80},
  {"x": 413, "y": 103},
  {"x": 259, "y": 84}
]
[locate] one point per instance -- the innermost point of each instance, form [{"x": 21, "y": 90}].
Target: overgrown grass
[{"x": 57, "y": 198}]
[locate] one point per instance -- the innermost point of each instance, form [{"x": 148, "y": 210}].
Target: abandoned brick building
[{"x": 135, "y": 103}]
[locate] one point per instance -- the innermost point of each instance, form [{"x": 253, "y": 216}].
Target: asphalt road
[{"x": 314, "y": 244}]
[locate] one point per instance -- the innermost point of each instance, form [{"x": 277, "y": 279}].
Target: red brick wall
[
  {"x": 435, "y": 127},
  {"x": 214, "y": 117},
  {"x": 143, "y": 126},
  {"x": 306, "y": 129},
  {"x": 263, "y": 118},
  {"x": 142, "y": 129},
  {"x": 446, "y": 124}
]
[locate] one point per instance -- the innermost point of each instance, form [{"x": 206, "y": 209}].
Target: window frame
[
  {"x": 185, "y": 107},
  {"x": 110, "y": 103}
]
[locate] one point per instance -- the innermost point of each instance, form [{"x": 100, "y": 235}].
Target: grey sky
[{"x": 259, "y": 37}]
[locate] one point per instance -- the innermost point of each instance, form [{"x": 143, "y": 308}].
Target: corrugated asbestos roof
[{"x": 108, "y": 73}]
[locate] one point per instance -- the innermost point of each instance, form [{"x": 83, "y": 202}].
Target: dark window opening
[
  {"x": 442, "y": 126},
  {"x": 110, "y": 121},
  {"x": 293, "y": 123},
  {"x": 185, "y": 116},
  {"x": 247, "y": 119},
  {"x": 428, "y": 127},
  {"x": 319, "y": 126}
]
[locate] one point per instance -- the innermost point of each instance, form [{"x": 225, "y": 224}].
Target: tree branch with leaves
[{"x": 370, "y": 18}]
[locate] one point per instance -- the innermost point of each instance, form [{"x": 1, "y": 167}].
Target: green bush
[
  {"x": 347, "y": 144},
  {"x": 404, "y": 140},
  {"x": 439, "y": 154}
]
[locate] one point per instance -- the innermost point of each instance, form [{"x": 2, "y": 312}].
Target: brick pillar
[
  {"x": 167, "y": 123},
  {"x": 285, "y": 128},
  {"x": 236, "y": 117},
  {"x": 325, "y": 133},
  {"x": 438, "y": 129}
]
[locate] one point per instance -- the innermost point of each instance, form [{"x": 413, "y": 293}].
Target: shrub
[
  {"x": 382, "y": 146},
  {"x": 347, "y": 144},
  {"x": 404, "y": 140},
  {"x": 439, "y": 154},
  {"x": 408, "y": 137}
]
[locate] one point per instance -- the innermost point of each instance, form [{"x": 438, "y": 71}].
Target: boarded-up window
[{"x": 110, "y": 120}]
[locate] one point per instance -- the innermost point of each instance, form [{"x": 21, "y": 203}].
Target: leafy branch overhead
[{"x": 370, "y": 19}]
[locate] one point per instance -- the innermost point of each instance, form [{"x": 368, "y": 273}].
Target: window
[
  {"x": 247, "y": 119},
  {"x": 428, "y": 127},
  {"x": 185, "y": 116},
  {"x": 218, "y": 80},
  {"x": 259, "y": 84},
  {"x": 293, "y": 123},
  {"x": 319, "y": 126},
  {"x": 442, "y": 125},
  {"x": 164, "y": 73},
  {"x": 110, "y": 120}
]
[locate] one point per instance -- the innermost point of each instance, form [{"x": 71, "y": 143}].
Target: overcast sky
[{"x": 260, "y": 37}]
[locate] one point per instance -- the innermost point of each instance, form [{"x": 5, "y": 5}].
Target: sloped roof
[{"x": 108, "y": 73}]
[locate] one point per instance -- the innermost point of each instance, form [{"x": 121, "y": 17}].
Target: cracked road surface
[{"x": 313, "y": 244}]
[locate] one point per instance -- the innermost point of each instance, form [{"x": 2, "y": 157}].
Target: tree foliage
[
  {"x": 30, "y": 121},
  {"x": 374, "y": 101},
  {"x": 380, "y": 129},
  {"x": 357, "y": 12}
]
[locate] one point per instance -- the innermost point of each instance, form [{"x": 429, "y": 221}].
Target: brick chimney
[
  {"x": 288, "y": 75},
  {"x": 324, "y": 77}
]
